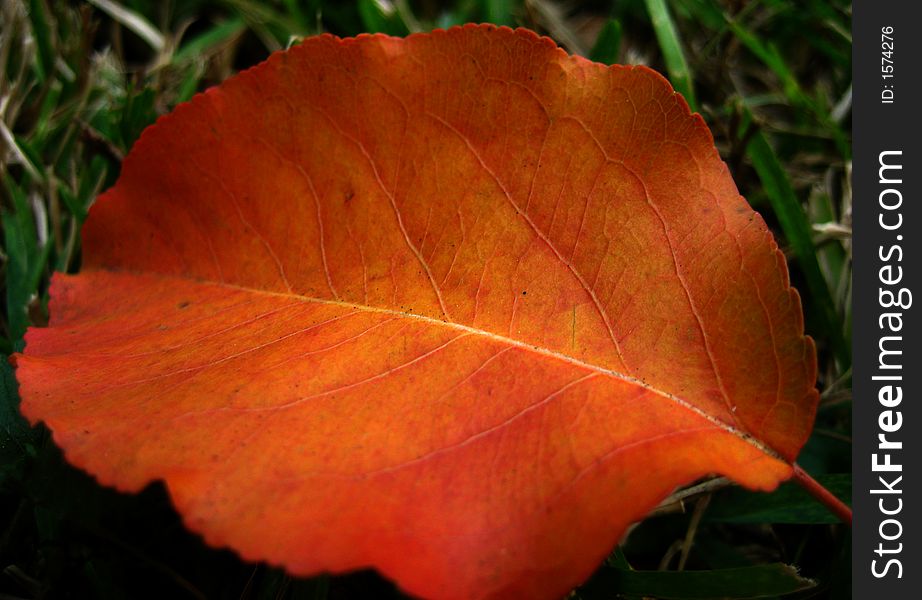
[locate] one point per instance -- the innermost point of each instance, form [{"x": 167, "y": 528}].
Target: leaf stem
[{"x": 816, "y": 489}]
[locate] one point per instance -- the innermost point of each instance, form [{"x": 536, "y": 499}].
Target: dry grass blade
[{"x": 133, "y": 21}]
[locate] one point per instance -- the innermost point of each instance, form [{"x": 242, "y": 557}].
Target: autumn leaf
[{"x": 459, "y": 307}]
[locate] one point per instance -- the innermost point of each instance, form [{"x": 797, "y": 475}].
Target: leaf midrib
[{"x": 746, "y": 437}]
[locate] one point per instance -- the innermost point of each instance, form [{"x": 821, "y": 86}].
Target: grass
[{"x": 81, "y": 81}]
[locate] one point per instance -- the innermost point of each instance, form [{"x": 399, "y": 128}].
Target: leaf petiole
[{"x": 816, "y": 489}]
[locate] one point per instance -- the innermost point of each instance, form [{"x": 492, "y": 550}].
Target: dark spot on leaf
[{"x": 183, "y": 304}]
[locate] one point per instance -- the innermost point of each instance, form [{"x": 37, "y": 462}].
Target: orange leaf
[{"x": 459, "y": 307}]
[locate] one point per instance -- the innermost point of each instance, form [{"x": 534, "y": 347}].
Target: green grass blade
[
  {"x": 607, "y": 46},
  {"x": 189, "y": 85},
  {"x": 498, "y": 12},
  {"x": 790, "y": 503},
  {"x": 797, "y": 230},
  {"x": 137, "y": 113},
  {"x": 618, "y": 560},
  {"x": 264, "y": 19},
  {"x": 44, "y": 39},
  {"x": 405, "y": 12},
  {"x": 218, "y": 34},
  {"x": 743, "y": 582},
  {"x": 304, "y": 13},
  {"x": 771, "y": 57},
  {"x": 671, "y": 47},
  {"x": 382, "y": 17},
  {"x": 26, "y": 259},
  {"x": 17, "y": 266}
]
